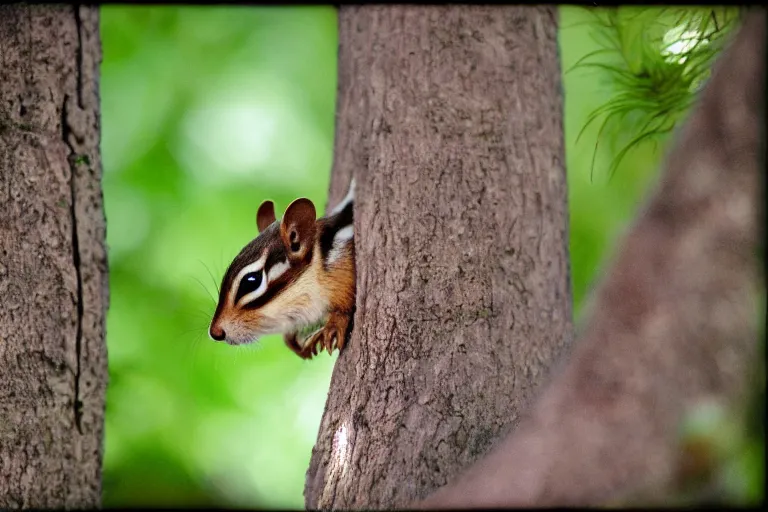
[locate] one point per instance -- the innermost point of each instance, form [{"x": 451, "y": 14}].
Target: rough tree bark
[
  {"x": 53, "y": 268},
  {"x": 674, "y": 322},
  {"x": 450, "y": 119}
]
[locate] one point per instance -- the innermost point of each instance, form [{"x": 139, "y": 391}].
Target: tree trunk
[
  {"x": 674, "y": 324},
  {"x": 450, "y": 119},
  {"x": 53, "y": 267}
]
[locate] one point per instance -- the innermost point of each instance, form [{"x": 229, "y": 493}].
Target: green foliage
[
  {"x": 721, "y": 461},
  {"x": 655, "y": 60},
  {"x": 206, "y": 111},
  {"x": 599, "y": 210}
]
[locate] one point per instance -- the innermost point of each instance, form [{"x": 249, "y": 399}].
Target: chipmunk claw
[
  {"x": 336, "y": 331},
  {"x": 316, "y": 343},
  {"x": 330, "y": 337},
  {"x": 305, "y": 352}
]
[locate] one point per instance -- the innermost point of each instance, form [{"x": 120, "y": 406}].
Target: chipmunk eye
[{"x": 249, "y": 283}]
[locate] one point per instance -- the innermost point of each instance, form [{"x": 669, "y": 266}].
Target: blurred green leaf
[{"x": 190, "y": 422}]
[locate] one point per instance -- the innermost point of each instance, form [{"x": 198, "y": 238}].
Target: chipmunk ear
[
  {"x": 265, "y": 216},
  {"x": 297, "y": 229}
]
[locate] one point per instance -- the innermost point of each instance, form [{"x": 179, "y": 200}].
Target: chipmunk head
[{"x": 269, "y": 287}]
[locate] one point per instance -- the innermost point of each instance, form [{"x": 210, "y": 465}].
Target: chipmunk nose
[{"x": 217, "y": 333}]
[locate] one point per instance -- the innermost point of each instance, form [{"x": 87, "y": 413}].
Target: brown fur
[
  {"x": 338, "y": 285},
  {"x": 265, "y": 215},
  {"x": 309, "y": 287}
]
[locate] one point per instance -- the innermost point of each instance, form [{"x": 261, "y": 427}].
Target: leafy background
[{"x": 206, "y": 111}]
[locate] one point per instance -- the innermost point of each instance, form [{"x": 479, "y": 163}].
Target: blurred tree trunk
[
  {"x": 450, "y": 119},
  {"x": 673, "y": 327},
  {"x": 53, "y": 268}
]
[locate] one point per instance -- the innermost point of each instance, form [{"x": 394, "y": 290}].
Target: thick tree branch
[{"x": 673, "y": 323}]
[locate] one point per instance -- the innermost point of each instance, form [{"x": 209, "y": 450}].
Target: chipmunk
[{"x": 297, "y": 278}]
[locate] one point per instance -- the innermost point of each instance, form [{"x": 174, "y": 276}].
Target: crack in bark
[
  {"x": 79, "y": 56},
  {"x": 71, "y": 158}
]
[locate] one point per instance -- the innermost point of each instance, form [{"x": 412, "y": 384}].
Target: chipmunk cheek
[{"x": 253, "y": 322}]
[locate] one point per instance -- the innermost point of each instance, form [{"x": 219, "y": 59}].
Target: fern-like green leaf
[{"x": 655, "y": 59}]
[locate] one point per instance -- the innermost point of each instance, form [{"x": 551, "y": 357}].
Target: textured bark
[
  {"x": 673, "y": 323},
  {"x": 53, "y": 268},
  {"x": 450, "y": 119}
]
